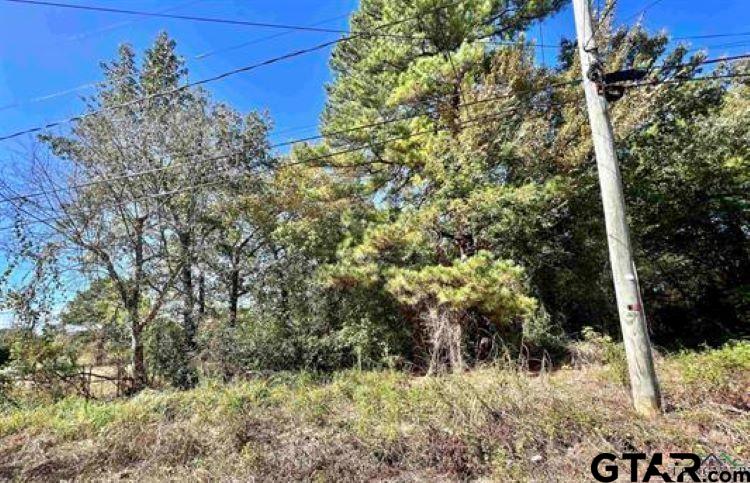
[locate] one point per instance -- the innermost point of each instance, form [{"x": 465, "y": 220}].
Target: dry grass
[{"x": 491, "y": 424}]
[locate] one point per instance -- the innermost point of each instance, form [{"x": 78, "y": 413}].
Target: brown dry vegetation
[{"x": 493, "y": 424}]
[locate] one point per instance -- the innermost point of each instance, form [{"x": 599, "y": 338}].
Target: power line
[
  {"x": 331, "y": 134},
  {"x": 261, "y": 39},
  {"x": 360, "y": 147},
  {"x": 712, "y": 36},
  {"x": 687, "y": 79},
  {"x": 375, "y": 124},
  {"x": 717, "y": 60},
  {"x": 308, "y": 160},
  {"x": 643, "y": 10},
  {"x": 214, "y": 20},
  {"x": 193, "y": 18},
  {"x": 273, "y": 60}
]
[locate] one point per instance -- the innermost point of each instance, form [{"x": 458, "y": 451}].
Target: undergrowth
[{"x": 493, "y": 423}]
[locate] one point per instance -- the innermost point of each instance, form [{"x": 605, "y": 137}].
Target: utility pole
[{"x": 643, "y": 382}]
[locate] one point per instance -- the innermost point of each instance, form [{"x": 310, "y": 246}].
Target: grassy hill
[{"x": 495, "y": 424}]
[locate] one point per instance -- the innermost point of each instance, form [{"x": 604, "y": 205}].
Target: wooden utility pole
[{"x": 643, "y": 382}]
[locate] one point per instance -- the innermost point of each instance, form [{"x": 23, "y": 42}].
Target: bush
[
  {"x": 717, "y": 367},
  {"x": 166, "y": 357},
  {"x": 596, "y": 348},
  {"x": 4, "y": 355},
  {"x": 332, "y": 332},
  {"x": 47, "y": 362}
]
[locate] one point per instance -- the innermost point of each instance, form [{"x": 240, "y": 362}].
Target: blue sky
[{"x": 47, "y": 50}]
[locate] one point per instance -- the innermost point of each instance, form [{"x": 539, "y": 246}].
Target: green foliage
[
  {"x": 327, "y": 337},
  {"x": 493, "y": 287},
  {"x": 689, "y": 211},
  {"x": 715, "y": 367},
  {"x": 470, "y": 226},
  {"x": 610, "y": 353},
  {"x": 542, "y": 339},
  {"x": 48, "y": 362},
  {"x": 5, "y": 355},
  {"x": 98, "y": 317},
  {"x": 166, "y": 356}
]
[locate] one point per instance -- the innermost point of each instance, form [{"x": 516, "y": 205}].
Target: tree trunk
[
  {"x": 234, "y": 295},
  {"x": 201, "y": 296},
  {"x": 188, "y": 297},
  {"x": 133, "y": 306},
  {"x": 446, "y": 340},
  {"x": 140, "y": 378}
]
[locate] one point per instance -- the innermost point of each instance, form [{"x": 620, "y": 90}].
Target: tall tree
[
  {"x": 130, "y": 183},
  {"x": 488, "y": 152},
  {"x": 435, "y": 181}
]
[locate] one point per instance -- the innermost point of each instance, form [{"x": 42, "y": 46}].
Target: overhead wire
[
  {"x": 168, "y": 92},
  {"x": 192, "y": 18},
  {"x": 682, "y": 80},
  {"x": 259, "y": 40},
  {"x": 330, "y": 134},
  {"x": 108, "y": 28},
  {"x": 359, "y": 148},
  {"x": 305, "y": 161},
  {"x": 717, "y": 60},
  {"x": 310, "y": 160},
  {"x": 288, "y": 28},
  {"x": 362, "y": 127}
]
